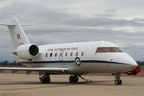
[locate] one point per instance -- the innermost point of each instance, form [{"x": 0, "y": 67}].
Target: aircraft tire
[
  {"x": 42, "y": 80},
  {"x": 73, "y": 79},
  {"x": 76, "y": 79},
  {"x": 118, "y": 82},
  {"x": 45, "y": 79}
]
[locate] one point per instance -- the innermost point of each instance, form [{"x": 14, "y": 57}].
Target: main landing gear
[
  {"x": 73, "y": 79},
  {"x": 45, "y": 78},
  {"x": 118, "y": 81}
]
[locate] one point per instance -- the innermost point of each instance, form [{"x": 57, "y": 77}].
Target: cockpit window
[
  {"x": 107, "y": 49},
  {"x": 114, "y": 49},
  {"x": 102, "y": 49}
]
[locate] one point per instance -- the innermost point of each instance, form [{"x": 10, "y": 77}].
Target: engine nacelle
[{"x": 27, "y": 51}]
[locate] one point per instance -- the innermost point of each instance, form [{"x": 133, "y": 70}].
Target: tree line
[
  {"x": 10, "y": 64},
  {"x": 140, "y": 63}
]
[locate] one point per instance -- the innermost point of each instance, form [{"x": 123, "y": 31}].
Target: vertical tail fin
[{"x": 17, "y": 34}]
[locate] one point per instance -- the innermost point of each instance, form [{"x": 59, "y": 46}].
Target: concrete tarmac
[{"x": 29, "y": 85}]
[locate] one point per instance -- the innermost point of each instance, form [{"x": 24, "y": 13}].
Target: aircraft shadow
[
  {"x": 38, "y": 85},
  {"x": 106, "y": 82}
]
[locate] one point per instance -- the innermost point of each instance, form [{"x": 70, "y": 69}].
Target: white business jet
[{"x": 76, "y": 59}]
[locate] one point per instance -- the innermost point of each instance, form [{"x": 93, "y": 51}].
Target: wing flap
[{"x": 29, "y": 70}]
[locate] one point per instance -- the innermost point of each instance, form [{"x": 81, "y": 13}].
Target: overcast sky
[{"x": 60, "y": 21}]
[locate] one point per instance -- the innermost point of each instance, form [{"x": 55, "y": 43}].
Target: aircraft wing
[{"x": 40, "y": 70}]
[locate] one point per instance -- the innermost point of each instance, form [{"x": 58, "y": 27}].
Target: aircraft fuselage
[{"x": 82, "y": 57}]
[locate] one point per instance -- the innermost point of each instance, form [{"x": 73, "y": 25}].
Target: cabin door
[{"x": 61, "y": 56}]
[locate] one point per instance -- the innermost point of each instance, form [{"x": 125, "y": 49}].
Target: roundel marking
[{"x": 77, "y": 61}]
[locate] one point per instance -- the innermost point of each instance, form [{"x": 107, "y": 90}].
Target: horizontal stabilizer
[
  {"x": 6, "y": 24},
  {"x": 12, "y": 24}
]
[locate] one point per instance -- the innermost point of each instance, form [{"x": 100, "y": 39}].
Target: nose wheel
[{"x": 118, "y": 81}]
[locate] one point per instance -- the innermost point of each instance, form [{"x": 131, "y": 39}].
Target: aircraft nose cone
[{"x": 131, "y": 62}]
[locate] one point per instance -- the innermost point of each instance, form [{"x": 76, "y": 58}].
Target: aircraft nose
[{"x": 131, "y": 62}]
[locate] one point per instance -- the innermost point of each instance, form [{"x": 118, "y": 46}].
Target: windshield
[{"x": 107, "y": 49}]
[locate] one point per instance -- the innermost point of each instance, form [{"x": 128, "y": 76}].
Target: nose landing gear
[{"x": 118, "y": 81}]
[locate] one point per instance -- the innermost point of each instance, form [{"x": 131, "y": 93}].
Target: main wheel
[
  {"x": 73, "y": 79},
  {"x": 76, "y": 79},
  {"x": 45, "y": 79},
  {"x": 42, "y": 80},
  {"x": 48, "y": 79}
]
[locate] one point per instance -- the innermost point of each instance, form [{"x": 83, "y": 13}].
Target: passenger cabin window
[
  {"x": 46, "y": 55},
  {"x": 107, "y": 49},
  {"x": 55, "y": 54},
  {"x": 51, "y": 55},
  {"x": 82, "y": 54},
  {"x": 76, "y": 53},
  {"x": 71, "y": 54},
  {"x": 66, "y": 54}
]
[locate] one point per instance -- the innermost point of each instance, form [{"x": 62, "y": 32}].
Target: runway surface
[{"x": 29, "y": 85}]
